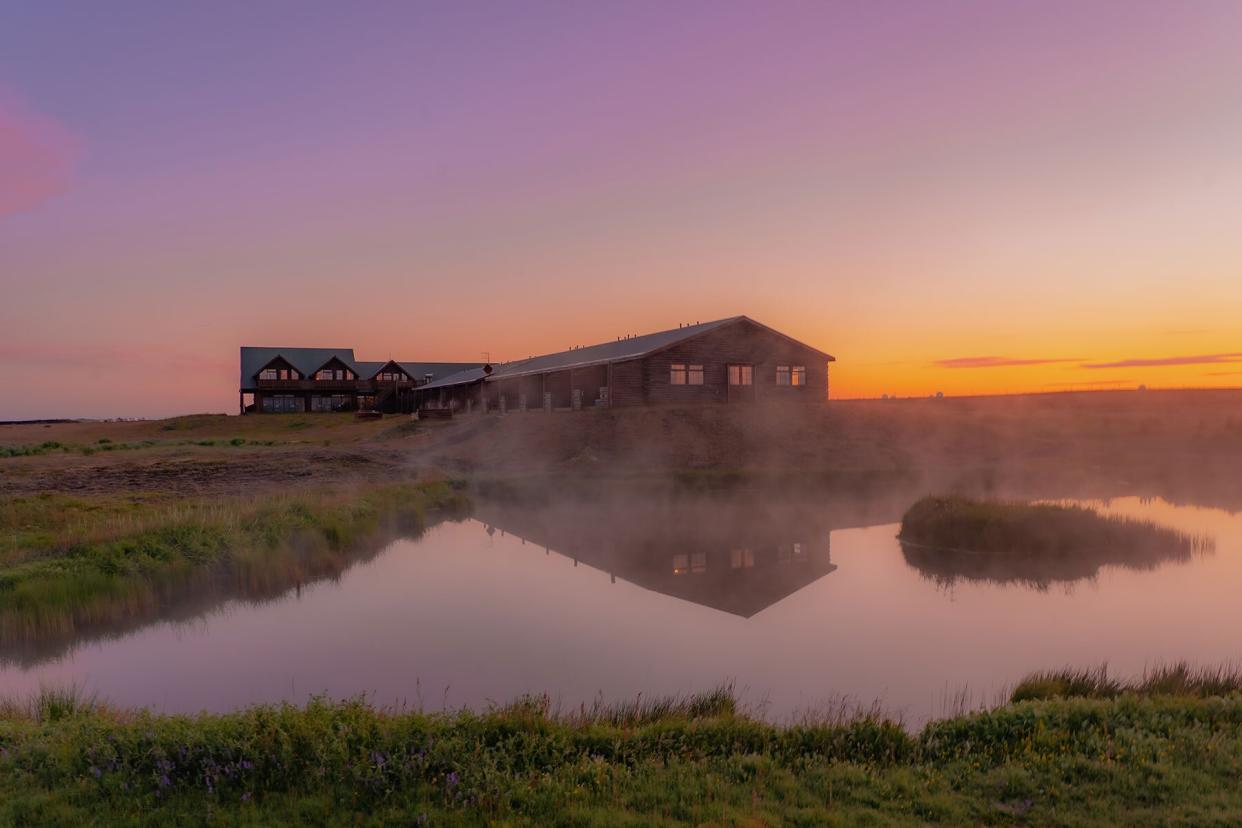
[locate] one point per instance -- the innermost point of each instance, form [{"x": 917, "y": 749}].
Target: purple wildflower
[
  {"x": 96, "y": 772},
  {"x": 452, "y": 779}
]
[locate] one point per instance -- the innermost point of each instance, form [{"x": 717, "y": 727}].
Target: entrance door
[{"x": 741, "y": 382}]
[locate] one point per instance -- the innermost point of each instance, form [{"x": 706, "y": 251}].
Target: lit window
[
  {"x": 782, "y": 375},
  {"x": 799, "y": 375},
  {"x": 681, "y": 564},
  {"x": 741, "y": 375},
  {"x": 677, "y": 374},
  {"x": 695, "y": 375}
]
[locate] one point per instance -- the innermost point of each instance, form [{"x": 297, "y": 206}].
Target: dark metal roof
[
  {"x": 621, "y": 350},
  {"x": 306, "y": 360},
  {"x": 309, "y": 360},
  {"x": 418, "y": 370},
  {"x": 460, "y": 378}
]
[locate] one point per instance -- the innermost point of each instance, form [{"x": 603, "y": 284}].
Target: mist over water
[{"x": 798, "y": 599}]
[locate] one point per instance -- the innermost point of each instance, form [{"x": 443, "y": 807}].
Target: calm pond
[{"x": 798, "y": 605}]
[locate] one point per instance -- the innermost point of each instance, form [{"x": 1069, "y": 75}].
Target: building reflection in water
[{"x": 732, "y": 556}]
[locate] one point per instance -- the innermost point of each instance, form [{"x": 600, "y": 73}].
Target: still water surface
[{"x": 798, "y": 606}]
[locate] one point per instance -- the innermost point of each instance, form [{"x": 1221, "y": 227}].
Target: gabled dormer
[
  {"x": 334, "y": 370},
  {"x": 278, "y": 368},
  {"x": 391, "y": 372}
]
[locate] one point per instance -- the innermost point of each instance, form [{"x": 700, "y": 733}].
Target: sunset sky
[{"x": 967, "y": 197}]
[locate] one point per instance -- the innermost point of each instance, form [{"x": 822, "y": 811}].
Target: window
[
  {"x": 281, "y": 403},
  {"x": 267, "y": 374},
  {"x": 325, "y": 374},
  {"x": 391, "y": 376},
  {"x": 791, "y": 375},
  {"x": 682, "y": 374},
  {"x": 742, "y": 559},
  {"x": 695, "y": 562},
  {"x": 792, "y": 552},
  {"x": 741, "y": 374},
  {"x": 332, "y": 402}
]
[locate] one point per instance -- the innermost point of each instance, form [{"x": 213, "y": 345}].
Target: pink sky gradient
[
  {"x": 963, "y": 197},
  {"x": 37, "y": 156}
]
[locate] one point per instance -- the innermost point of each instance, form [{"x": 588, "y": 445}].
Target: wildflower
[{"x": 452, "y": 779}]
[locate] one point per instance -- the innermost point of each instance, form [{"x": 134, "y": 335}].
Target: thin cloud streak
[
  {"x": 997, "y": 362},
  {"x": 1160, "y": 362}
]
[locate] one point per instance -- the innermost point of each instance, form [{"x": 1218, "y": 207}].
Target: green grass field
[{"x": 1133, "y": 759}]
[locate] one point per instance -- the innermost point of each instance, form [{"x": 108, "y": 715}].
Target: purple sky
[{"x": 968, "y": 196}]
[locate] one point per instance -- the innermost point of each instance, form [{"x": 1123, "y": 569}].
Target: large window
[
  {"x": 332, "y": 402},
  {"x": 741, "y": 374},
  {"x": 334, "y": 374},
  {"x": 267, "y": 374},
  {"x": 682, "y": 374},
  {"x": 282, "y": 403},
  {"x": 391, "y": 376},
  {"x": 791, "y": 375}
]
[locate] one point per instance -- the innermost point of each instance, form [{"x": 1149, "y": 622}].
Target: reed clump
[{"x": 1177, "y": 680}]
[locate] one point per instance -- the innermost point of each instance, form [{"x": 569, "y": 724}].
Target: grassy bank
[
  {"x": 1037, "y": 544},
  {"x": 72, "y": 563},
  {"x": 1014, "y": 528},
  {"x": 1132, "y": 759}
]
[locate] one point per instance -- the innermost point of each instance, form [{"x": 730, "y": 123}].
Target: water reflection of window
[
  {"x": 742, "y": 558},
  {"x": 791, "y": 552},
  {"x": 695, "y": 562}
]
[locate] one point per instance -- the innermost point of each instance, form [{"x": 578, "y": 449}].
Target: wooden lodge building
[
  {"x": 296, "y": 380},
  {"x": 728, "y": 360}
]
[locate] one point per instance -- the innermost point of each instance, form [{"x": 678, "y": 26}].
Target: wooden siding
[{"x": 741, "y": 343}]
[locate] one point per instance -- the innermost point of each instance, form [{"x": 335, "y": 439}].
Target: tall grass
[
  {"x": 1178, "y": 679},
  {"x": 67, "y": 759}
]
